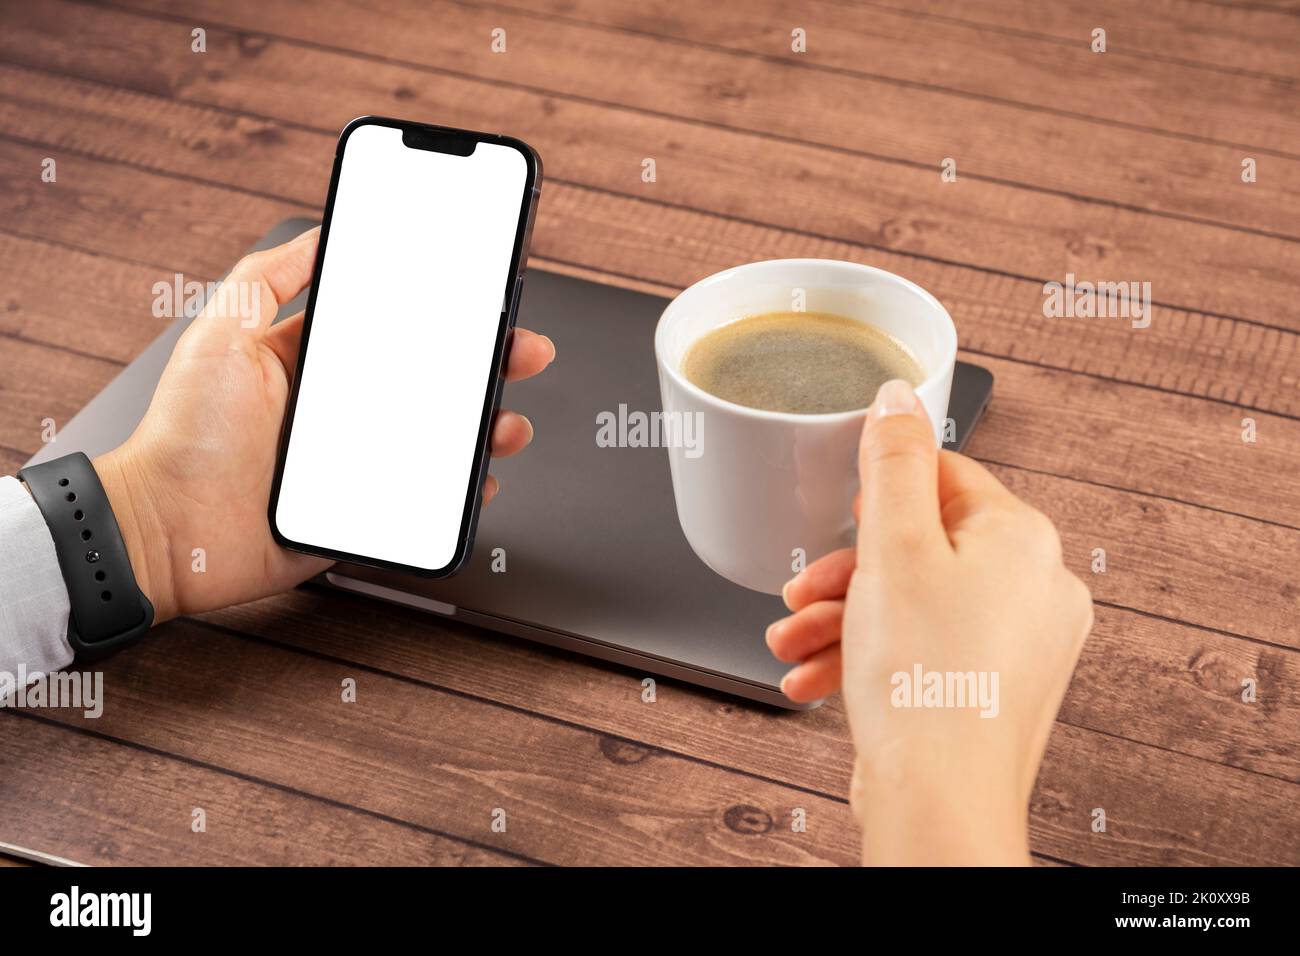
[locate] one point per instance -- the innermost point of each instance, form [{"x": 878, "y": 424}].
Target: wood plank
[
  {"x": 1287, "y": 6},
  {"x": 1179, "y": 561},
  {"x": 1141, "y": 670},
  {"x": 11, "y": 459},
  {"x": 1216, "y": 569},
  {"x": 1184, "y": 31},
  {"x": 64, "y": 794},
  {"x": 20, "y": 355},
  {"x": 1139, "y": 678},
  {"x": 810, "y": 749},
  {"x": 1180, "y": 688},
  {"x": 1238, "y": 363},
  {"x": 1022, "y": 427},
  {"x": 203, "y": 228},
  {"x": 1154, "y": 441},
  {"x": 419, "y": 755},
  {"x": 1000, "y": 315},
  {"x": 1160, "y": 803},
  {"x": 813, "y": 749},
  {"x": 105, "y": 313},
  {"x": 889, "y": 205},
  {"x": 1068, "y": 154},
  {"x": 1249, "y": 366},
  {"x": 1151, "y": 819},
  {"x": 41, "y": 383},
  {"x": 1189, "y": 101},
  {"x": 1163, "y": 430},
  {"x": 1255, "y": 603}
]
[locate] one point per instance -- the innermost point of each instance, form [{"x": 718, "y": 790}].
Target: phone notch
[{"x": 439, "y": 141}]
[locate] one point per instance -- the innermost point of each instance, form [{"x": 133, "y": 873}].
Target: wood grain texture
[
  {"x": 984, "y": 223},
  {"x": 1172, "y": 559},
  {"x": 62, "y": 794},
  {"x": 1208, "y": 567},
  {"x": 1249, "y": 39},
  {"x": 11, "y": 459},
  {"x": 1108, "y": 162},
  {"x": 1181, "y": 815},
  {"x": 1250, "y": 365},
  {"x": 41, "y": 384},
  {"x": 1194, "y": 555},
  {"x": 1140, "y": 679},
  {"x": 999, "y": 315},
  {"x": 1124, "y": 166},
  {"x": 986, "y": 64},
  {"x": 1155, "y": 431},
  {"x": 449, "y": 762}
]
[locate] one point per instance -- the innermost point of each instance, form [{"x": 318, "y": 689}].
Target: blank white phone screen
[{"x": 408, "y": 306}]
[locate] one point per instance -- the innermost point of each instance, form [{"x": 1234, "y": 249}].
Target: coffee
[{"x": 808, "y": 363}]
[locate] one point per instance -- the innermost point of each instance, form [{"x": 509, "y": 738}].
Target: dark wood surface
[{"x": 1122, "y": 166}]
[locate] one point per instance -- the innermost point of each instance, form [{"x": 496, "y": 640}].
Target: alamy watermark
[
  {"x": 223, "y": 300},
  {"x": 133, "y": 911},
  {"x": 945, "y": 689},
  {"x": 635, "y": 429},
  {"x": 80, "y": 690},
  {"x": 1098, "y": 300}
]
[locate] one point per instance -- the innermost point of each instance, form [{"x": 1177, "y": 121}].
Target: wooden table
[{"x": 1125, "y": 165}]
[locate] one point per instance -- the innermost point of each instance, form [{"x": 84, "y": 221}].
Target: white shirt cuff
[{"x": 33, "y": 598}]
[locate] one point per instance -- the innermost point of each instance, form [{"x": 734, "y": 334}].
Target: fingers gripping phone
[{"x": 417, "y": 281}]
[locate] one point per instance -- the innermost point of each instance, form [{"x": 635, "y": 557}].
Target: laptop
[{"x": 582, "y": 550}]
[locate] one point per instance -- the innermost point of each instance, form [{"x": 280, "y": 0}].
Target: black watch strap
[{"x": 108, "y": 609}]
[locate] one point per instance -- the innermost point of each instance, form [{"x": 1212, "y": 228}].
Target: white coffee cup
[{"x": 757, "y": 491}]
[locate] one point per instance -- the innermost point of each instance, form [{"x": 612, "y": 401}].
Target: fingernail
[
  {"x": 770, "y": 632},
  {"x": 786, "y": 680},
  {"x": 552, "y": 345},
  {"x": 785, "y": 593},
  {"x": 895, "y": 397}
]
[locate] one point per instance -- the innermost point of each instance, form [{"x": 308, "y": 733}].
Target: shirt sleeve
[{"x": 33, "y": 598}]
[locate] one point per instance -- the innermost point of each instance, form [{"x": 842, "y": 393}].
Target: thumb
[
  {"x": 249, "y": 297},
  {"x": 898, "y": 466}
]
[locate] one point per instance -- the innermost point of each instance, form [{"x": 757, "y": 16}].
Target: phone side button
[{"x": 417, "y": 601}]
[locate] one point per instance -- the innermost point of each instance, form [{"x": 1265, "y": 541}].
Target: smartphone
[
  {"x": 417, "y": 281},
  {"x": 972, "y": 387}
]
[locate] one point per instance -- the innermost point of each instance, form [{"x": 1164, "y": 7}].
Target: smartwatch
[{"x": 108, "y": 610}]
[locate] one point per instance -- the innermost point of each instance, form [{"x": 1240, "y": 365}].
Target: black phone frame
[{"x": 462, "y": 143}]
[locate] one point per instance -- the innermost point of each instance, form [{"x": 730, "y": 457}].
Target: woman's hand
[
  {"x": 954, "y": 576},
  {"x": 196, "y": 474}
]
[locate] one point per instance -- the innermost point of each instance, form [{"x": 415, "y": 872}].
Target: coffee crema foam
[{"x": 809, "y": 363}]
